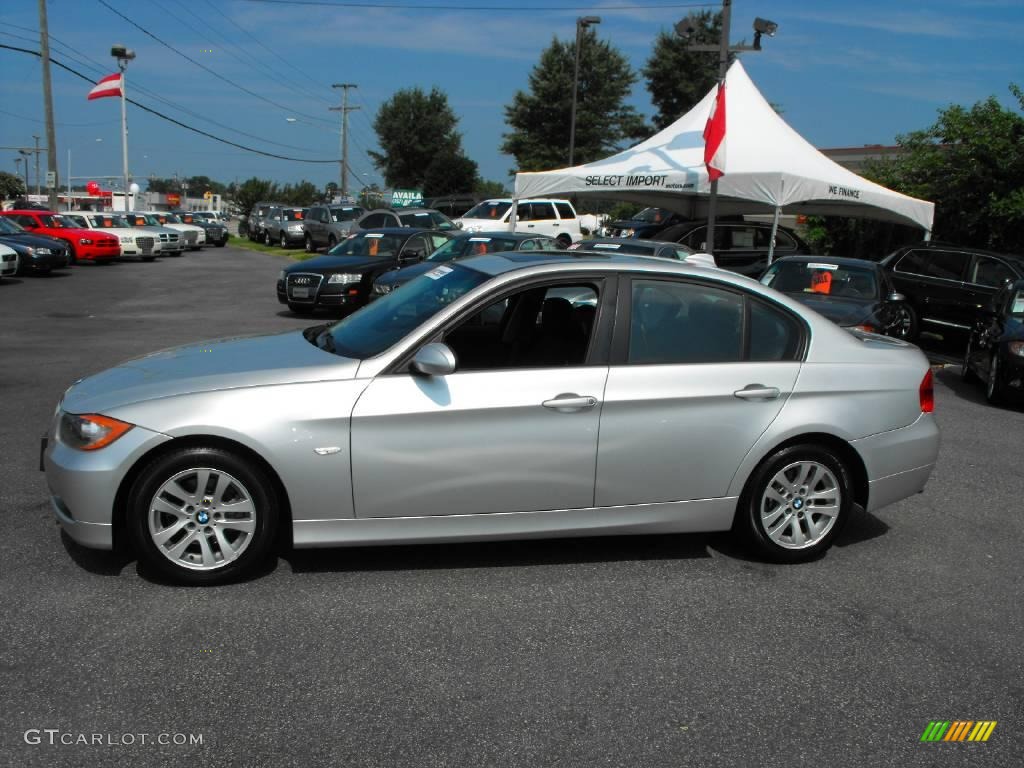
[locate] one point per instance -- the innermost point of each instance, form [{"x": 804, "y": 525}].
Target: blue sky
[{"x": 845, "y": 74}]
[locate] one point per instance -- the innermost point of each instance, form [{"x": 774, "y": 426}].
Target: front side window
[
  {"x": 947, "y": 265},
  {"x": 540, "y": 327},
  {"x": 912, "y": 263},
  {"x": 375, "y": 220}
]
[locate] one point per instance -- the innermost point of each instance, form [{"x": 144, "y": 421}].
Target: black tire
[
  {"x": 906, "y": 325},
  {"x": 222, "y": 243},
  {"x": 284, "y": 241},
  {"x": 563, "y": 240},
  {"x": 308, "y": 243},
  {"x": 750, "y": 523},
  {"x": 300, "y": 309},
  {"x": 995, "y": 389},
  {"x": 258, "y": 488}
]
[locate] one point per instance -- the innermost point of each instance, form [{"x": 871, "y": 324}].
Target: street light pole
[
  {"x": 582, "y": 22},
  {"x": 123, "y": 56},
  {"x": 51, "y": 134},
  {"x": 723, "y": 68},
  {"x": 38, "y": 190}
]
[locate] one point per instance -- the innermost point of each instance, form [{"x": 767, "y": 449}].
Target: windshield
[
  {"x": 167, "y": 218},
  {"x": 9, "y": 227},
  {"x": 1017, "y": 304},
  {"x": 426, "y": 220},
  {"x": 107, "y": 221},
  {"x": 142, "y": 220},
  {"x": 369, "y": 244},
  {"x": 472, "y": 246},
  {"x": 653, "y": 215},
  {"x": 76, "y": 220},
  {"x": 55, "y": 221},
  {"x": 294, "y": 214},
  {"x": 822, "y": 278},
  {"x": 345, "y": 214},
  {"x": 378, "y": 325},
  {"x": 488, "y": 210}
]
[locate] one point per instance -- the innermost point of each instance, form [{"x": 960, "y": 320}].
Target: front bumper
[
  {"x": 83, "y": 484},
  {"x": 43, "y": 262},
  {"x": 97, "y": 252},
  {"x": 900, "y": 461}
]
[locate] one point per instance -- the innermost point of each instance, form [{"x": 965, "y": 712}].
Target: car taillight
[
  {"x": 927, "y": 393},
  {"x": 865, "y": 327}
]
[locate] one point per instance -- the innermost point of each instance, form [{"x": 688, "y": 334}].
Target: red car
[{"x": 84, "y": 244}]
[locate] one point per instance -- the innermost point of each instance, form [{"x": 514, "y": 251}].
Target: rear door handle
[
  {"x": 570, "y": 402},
  {"x": 757, "y": 392}
]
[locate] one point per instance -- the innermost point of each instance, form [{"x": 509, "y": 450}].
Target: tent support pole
[
  {"x": 775, "y": 229},
  {"x": 927, "y": 235},
  {"x": 513, "y": 217}
]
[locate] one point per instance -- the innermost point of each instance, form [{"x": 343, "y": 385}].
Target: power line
[
  {"x": 169, "y": 119},
  {"x": 202, "y": 66},
  {"x": 493, "y": 8},
  {"x": 62, "y": 125}
]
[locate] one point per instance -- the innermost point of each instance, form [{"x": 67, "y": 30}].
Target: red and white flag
[
  {"x": 714, "y": 137},
  {"x": 108, "y": 86}
]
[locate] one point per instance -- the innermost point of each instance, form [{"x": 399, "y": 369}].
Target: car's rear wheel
[
  {"x": 300, "y": 309},
  {"x": 309, "y": 244},
  {"x": 563, "y": 240},
  {"x": 994, "y": 388},
  {"x": 267, "y": 240},
  {"x": 905, "y": 326},
  {"x": 284, "y": 241},
  {"x": 795, "y": 503},
  {"x": 202, "y": 516}
]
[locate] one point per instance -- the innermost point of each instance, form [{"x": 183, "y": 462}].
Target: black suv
[
  {"x": 946, "y": 285},
  {"x": 740, "y": 246}
]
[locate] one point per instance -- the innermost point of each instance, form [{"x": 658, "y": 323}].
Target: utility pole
[
  {"x": 723, "y": 68},
  {"x": 51, "y": 135},
  {"x": 344, "y": 109},
  {"x": 582, "y": 23}
]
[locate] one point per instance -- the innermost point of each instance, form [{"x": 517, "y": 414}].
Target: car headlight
[
  {"x": 1016, "y": 348},
  {"x": 84, "y": 241},
  {"x": 344, "y": 277},
  {"x": 90, "y": 431}
]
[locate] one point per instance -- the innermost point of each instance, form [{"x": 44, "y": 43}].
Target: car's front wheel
[
  {"x": 795, "y": 503},
  {"x": 905, "y": 326},
  {"x": 284, "y": 241},
  {"x": 202, "y": 516},
  {"x": 309, "y": 244},
  {"x": 267, "y": 240}
]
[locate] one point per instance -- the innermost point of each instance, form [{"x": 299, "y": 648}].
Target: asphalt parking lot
[{"x": 646, "y": 651}]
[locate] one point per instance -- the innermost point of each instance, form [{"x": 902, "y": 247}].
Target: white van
[{"x": 544, "y": 216}]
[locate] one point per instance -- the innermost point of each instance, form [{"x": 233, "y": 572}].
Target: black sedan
[
  {"x": 216, "y": 231},
  {"x": 995, "y": 348},
  {"x": 647, "y": 223},
  {"x": 37, "y": 254},
  {"x": 463, "y": 245},
  {"x": 343, "y": 277},
  {"x": 853, "y": 293}
]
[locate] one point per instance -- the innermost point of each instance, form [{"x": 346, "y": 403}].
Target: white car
[
  {"x": 134, "y": 242},
  {"x": 543, "y": 216},
  {"x": 8, "y": 262},
  {"x": 194, "y": 236},
  {"x": 171, "y": 240}
]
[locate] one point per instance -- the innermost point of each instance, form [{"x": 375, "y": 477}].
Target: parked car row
[{"x": 45, "y": 240}]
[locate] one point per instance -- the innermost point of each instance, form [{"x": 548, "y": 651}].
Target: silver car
[{"x": 478, "y": 402}]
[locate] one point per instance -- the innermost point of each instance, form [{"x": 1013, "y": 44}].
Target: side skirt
[{"x": 697, "y": 516}]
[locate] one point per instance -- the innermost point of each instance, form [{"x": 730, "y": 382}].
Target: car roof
[
  {"x": 392, "y": 231},
  {"x": 400, "y": 211},
  {"x": 626, "y": 241},
  {"x": 518, "y": 236},
  {"x": 525, "y": 200},
  {"x": 842, "y": 261},
  {"x": 944, "y": 245},
  {"x": 510, "y": 261}
]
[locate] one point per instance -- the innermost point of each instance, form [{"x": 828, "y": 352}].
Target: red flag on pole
[
  {"x": 714, "y": 137},
  {"x": 108, "y": 86}
]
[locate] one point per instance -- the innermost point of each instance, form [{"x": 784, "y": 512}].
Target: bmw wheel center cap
[{"x": 203, "y": 517}]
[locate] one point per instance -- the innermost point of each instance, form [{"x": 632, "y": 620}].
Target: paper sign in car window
[
  {"x": 437, "y": 272},
  {"x": 821, "y": 282},
  {"x": 479, "y": 239},
  {"x": 814, "y": 265},
  {"x": 374, "y": 245},
  {"x": 610, "y": 246}
]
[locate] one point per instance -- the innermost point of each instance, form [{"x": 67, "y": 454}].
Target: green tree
[
  {"x": 302, "y": 194},
  {"x": 678, "y": 78},
  {"x": 413, "y": 127},
  {"x": 970, "y": 163},
  {"x": 11, "y": 186},
  {"x": 449, "y": 173},
  {"x": 252, "y": 191},
  {"x": 486, "y": 188},
  {"x": 197, "y": 185},
  {"x": 540, "y": 118}
]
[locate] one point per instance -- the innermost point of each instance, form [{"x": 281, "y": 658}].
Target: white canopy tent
[{"x": 769, "y": 168}]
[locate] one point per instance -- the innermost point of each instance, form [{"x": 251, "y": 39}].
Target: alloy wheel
[
  {"x": 800, "y": 505},
  {"x": 202, "y": 518}
]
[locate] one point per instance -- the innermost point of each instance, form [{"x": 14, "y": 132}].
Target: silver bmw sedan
[{"x": 513, "y": 395}]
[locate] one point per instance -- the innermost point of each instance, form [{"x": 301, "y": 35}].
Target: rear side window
[
  {"x": 990, "y": 272},
  {"x": 684, "y": 323},
  {"x": 947, "y": 265},
  {"x": 565, "y": 211},
  {"x": 774, "y": 334},
  {"x": 542, "y": 211}
]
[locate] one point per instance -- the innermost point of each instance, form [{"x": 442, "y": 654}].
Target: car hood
[
  {"x": 35, "y": 241},
  {"x": 330, "y": 263},
  {"x": 230, "y": 363},
  {"x": 91, "y": 234},
  {"x": 839, "y": 311}
]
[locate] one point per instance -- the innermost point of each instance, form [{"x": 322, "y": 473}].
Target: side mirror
[
  {"x": 895, "y": 297},
  {"x": 434, "y": 359},
  {"x": 411, "y": 256}
]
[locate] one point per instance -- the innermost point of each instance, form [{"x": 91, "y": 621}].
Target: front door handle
[
  {"x": 570, "y": 402},
  {"x": 757, "y": 392}
]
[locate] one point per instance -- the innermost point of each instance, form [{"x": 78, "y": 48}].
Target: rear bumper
[{"x": 900, "y": 461}]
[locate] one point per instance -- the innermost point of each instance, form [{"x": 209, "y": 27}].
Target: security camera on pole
[{"x": 714, "y": 133}]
